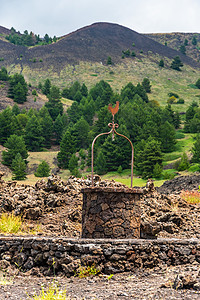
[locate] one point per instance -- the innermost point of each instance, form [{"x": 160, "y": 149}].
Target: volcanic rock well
[{"x": 111, "y": 213}]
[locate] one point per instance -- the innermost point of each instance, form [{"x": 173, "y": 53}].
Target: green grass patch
[
  {"x": 194, "y": 168},
  {"x": 9, "y": 223},
  {"x": 53, "y": 292}
]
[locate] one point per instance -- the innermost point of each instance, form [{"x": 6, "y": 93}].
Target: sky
[{"x": 60, "y": 17}]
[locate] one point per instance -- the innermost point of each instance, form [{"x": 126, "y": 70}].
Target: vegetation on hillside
[
  {"x": 28, "y": 39},
  {"x": 150, "y": 127}
]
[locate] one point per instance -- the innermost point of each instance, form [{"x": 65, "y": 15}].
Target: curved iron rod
[
  {"x": 92, "y": 164},
  {"x": 132, "y": 155},
  {"x": 107, "y": 133}
]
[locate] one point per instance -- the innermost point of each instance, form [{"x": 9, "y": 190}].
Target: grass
[
  {"x": 9, "y": 223},
  {"x": 163, "y": 80},
  {"x": 125, "y": 178},
  {"x": 4, "y": 280},
  {"x": 191, "y": 197},
  {"x": 53, "y": 292}
]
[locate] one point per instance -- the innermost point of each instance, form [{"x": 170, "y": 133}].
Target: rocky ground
[
  {"x": 180, "y": 282},
  {"x": 54, "y": 208}
]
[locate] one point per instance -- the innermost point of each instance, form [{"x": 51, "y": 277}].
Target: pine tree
[
  {"x": 100, "y": 164},
  {"x": 73, "y": 162},
  {"x": 146, "y": 85},
  {"x": 176, "y": 63},
  {"x": 66, "y": 150},
  {"x": 15, "y": 144},
  {"x": 43, "y": 170},
  {"x": 54, "y": 105},
  {"x": 167, "y": 136},
  {"x": 196, "y": 150},
  {"x": 46, "y": 87},
  {"x": 58, "y": 128},
  {"x": 148, "y": 154},
  {"x": 33, "y": 134},
  {"x": 19, "y": 168}
]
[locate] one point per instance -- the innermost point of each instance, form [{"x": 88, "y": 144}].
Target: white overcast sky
[{"x": 59, "y": 17}]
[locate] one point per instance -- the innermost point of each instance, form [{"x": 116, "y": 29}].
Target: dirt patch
[{"x": 148, "y": 284}]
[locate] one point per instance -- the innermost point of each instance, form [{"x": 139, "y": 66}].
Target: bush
[
  {"x": 34, "y": 93},
  {"x": 194, "y": 168},
  {"x": 180, "y": 101},
  {"x": 43, "y": 170},
  {"x": 168, "y": 174}
]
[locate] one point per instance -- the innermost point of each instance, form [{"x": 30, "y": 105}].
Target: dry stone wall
[{"x": 48, "y": 256}]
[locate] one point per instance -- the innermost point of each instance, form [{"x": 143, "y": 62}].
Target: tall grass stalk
[
  {"x": 51, "y": 293},
  {"x": 9, "y": 223},
  {"x": 191, "y": 196}
]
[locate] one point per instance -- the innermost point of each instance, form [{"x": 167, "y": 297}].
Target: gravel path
[{"x": 140, "y": 285}]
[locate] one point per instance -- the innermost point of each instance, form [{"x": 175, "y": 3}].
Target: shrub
[
  {"x": 86, "y": 271},
  {"x": 191, "y": 196},
  {"x": 9, "y": 223},
  {"x": 168, "y": 174},
  {"x": 34, "y": 93},
  {"x": 180, "y": 101},
  {"x": 51, "y": 293},
  {"x": 43, "y": 170},
  {"x": 194, "y": 168},
  {"x": 119, "y": 170}
]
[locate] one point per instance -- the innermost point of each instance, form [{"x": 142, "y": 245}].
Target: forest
[{"x": 151, "y": 128}]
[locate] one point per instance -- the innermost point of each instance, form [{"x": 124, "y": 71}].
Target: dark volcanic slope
[{"x": 92, "y": 43}]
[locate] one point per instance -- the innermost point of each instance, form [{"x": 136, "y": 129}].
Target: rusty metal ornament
[{"x": 112, "y": 125}]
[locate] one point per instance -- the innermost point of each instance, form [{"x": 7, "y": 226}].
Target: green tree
[
  {"x": 161, "y": 63},
  {"x": 33, "y": 134},
  {"x": 18, "y": 89},
  {"x": 148, "y": 154},
  {"x": 80, "y": 133},
  {"x": 66, "y": 150},
  {"x": 182, "y": 49},
  {"x": 109, "y": 61},
  {"x": 176, "y": 63},
  {"x": 100, "y": 164},
  {"x": 15, "y": 144},
  {"x": 19, "y": 168},
  {"x": 196, "y": 150},
  {"x": 46, "y": 87},
  {"x": 58, "y": 128},
  {"x": 194, "y": 40},
  {"x": 54, "y": 105},
  {"x": 4, "y": 74},
  {"x": 167, "y": 136},
  {"x": 47, "y": 127},
  {"x": 6, "y": 124},
  {"x": 157, "y": 171},
  {"x": 198, "y": 83},
  {"x": 146, "y": 85},
  {"x": 73, "y": 162},
  {"x": 184, "y": 163},
  {"x": 43, "y": 169}
]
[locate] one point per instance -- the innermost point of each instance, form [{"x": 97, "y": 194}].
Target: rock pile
[
  {"x": 180, "y": 183},
  {"x": 57, "y": 206}
]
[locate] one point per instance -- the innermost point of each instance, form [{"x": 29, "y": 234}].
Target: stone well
[{"x": 111, "y": 213}]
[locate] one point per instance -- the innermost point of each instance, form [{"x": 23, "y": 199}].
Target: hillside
[
  {"x": 82, "y": 56},
  {"x": 175, "y": 40}
]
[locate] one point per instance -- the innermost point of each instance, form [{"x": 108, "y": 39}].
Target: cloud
[{"x": 64, "y": 16}]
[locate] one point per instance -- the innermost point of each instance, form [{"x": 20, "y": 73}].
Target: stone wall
[
  {"x": 111, "y": 213},
  {"x": 63, "y": 256}
]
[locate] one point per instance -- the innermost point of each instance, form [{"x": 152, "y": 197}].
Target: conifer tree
[
  {"x": 43, "y": 169},
  {"x": 33, "y": 134},
  {"x": 66, "y": 150},
  {"x": 15, "y": 144},
  {"x": 19, "y": 168}
]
